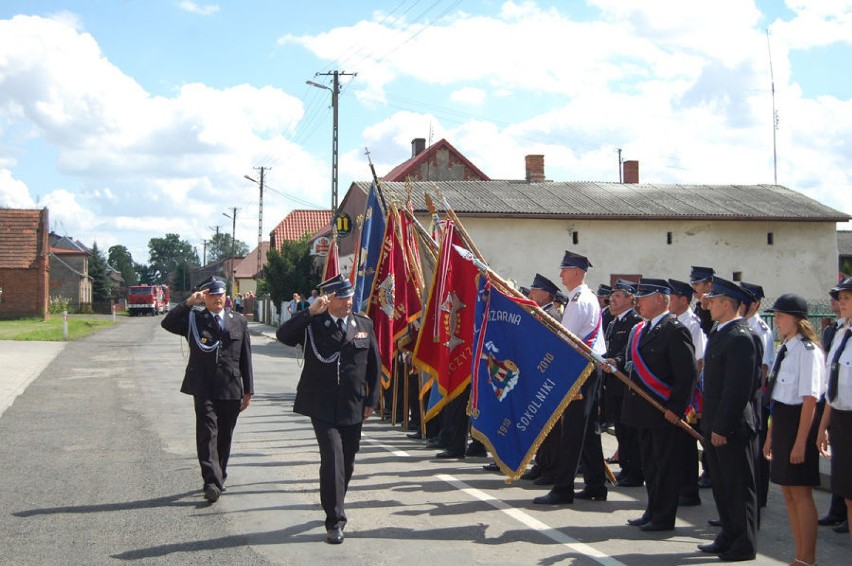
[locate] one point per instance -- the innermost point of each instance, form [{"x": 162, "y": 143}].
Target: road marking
[{"x": 518, "y": 515}]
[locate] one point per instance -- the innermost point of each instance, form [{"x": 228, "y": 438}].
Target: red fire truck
[{"x": 147, "y": 299}]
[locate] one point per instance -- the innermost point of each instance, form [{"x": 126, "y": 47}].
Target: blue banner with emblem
[
  {"x": 369, "y": 250},
  {"x": 524, "y": 377}
]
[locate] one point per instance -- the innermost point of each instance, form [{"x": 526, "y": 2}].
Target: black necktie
[
  {"x": 646, "y": 331},
  {"x": 773, "y": 376},
  {"x": 218, "y": 320},
  {"x": 341, "y": 325},
  {"x": 834, "y": 376}
]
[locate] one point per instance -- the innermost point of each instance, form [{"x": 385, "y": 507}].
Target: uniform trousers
[
  {"x": 547, "y": 454},
  {"x": 731, "y": 469},
  {"x": 575, "y": 445},
  {"x": 215, "y": 420},
  {"x": 661, "y": 459},
  {"x": 689, "y": 466},
  {"x": 338, "y": 445}
]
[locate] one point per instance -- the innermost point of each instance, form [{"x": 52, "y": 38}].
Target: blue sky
[{"x": 133, "y": 118}]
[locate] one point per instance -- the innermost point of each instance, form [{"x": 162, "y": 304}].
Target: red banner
[
  {"x": 445, "y": 343},
  {"x": 395, "y": 298}
]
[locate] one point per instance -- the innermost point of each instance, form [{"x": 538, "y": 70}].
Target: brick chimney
[
  {"x": 535, "y": 168},
  {"x": 418, "y": 145},
  {"x": 631, "y": 172}
]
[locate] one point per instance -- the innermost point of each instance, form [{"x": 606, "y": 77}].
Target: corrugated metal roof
[{"x": 592, "y": 200}]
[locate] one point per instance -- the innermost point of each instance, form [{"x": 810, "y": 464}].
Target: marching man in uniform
[
  {"x": 218, "y": 376},
  {"x": 338, "y": 389}
]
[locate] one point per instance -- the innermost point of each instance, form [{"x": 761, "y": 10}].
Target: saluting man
[
  {"x": 218, "y": 375},
  {"x": 338, "y": 389}
]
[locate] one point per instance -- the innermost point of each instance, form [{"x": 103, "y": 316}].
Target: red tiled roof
[
  {"x": 297, "y": 223},
  {"x": 412, "y": 166},
  {"x": 19, "y": 238},
  {"x": 247, "y": 267}
]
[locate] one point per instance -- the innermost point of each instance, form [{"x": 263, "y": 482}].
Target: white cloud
[
  {"x": 14, "y": 192},
  {"x": 468, "y": 95},
  {"x": 201, "y": 10}
]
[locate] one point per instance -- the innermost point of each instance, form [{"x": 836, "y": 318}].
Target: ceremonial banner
[
  {"x": 331, "y": 268},
  {"x": 395, "y": 300},
  {"x": 523, "y": 378},
  {"x": 445, "y": 341},
  {"x": 369, "y": 249}
]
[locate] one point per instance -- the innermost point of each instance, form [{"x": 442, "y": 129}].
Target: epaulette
[
  {"x": 362, "y": 315},
  {"x": 808, "y": 344},
  {"x": 762, "y": 324}
]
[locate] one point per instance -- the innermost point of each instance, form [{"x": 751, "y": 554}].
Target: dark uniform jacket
[
  {"x": 729, "y": 362},
  {"x": 617, "y": 334},
  {"x": 669, "y": 354},
  {"x": 704, "y": 318},
  {"x": 337, "y": 391},
  {"x": 225, "y": 372}
]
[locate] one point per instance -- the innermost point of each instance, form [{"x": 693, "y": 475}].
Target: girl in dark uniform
[
  {"x": 836, "y": 425},
  {"x": 795, "y": 385}
]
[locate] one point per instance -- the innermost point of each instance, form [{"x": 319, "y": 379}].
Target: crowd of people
[
  {"x": 719, "y": 387},
  {"x": 701, "y": 349}
]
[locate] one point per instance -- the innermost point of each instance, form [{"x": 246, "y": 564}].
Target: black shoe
[
  {"x": 551, "y": 499},
  {"x": 436, "y": 443},
  {"x": 686, "y": 501},
  {"x": 830, "y": 521},
  {"x": 712, "y": 548},
  {"x": 655, "y": 528},
  {"x": 612, "y": 461},
  {"x": 545, "y": 480},
  {"x": 476, "y": 450},
  {"x": 630, "y": 482},
  {"x": 714, "y": 522},
  {"x": 492, "y": 467},
  {"x": 532, "y": 474},
  {"x": 704, "y": 481},
  {"x": 729, "y": 556},
  {"x": 334, "y": 535},
  {"x": 842, "y": 527},
  {"x": 212, "y": 492},
  {"x": 415, "y": 435},
  {"x": 643, "y": 520},
  {"x": 446, "y": 454},
  {"x": 594, "y": 495}
]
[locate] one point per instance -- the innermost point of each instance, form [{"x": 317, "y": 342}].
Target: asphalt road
[{"x": 98, "y": 467}]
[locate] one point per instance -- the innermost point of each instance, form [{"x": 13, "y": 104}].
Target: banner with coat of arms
[{"x": 524, "y": 376}]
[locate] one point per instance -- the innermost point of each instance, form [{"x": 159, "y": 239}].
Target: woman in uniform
[
  {"x": 836, "y": 425},
  {"x": 794, "y": 386}
]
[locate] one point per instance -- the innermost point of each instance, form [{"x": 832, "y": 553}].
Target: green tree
[
  {"x": 119, "y": 258},
  {"x": 219, "y": 248},
  {"x": 144, "y": 274},
  {"x": 166, "y": 254},
  {"x": 99, "y": 272},
  {"x": 290, "y": 271}
]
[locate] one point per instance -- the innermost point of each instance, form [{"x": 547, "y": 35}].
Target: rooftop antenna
[{"x": 774, "y": 112}]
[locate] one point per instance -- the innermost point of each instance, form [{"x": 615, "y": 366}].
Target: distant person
[
  {"x": 238, "y": 303},
  {"x": 338, "y": 388},
  {"x": 313, "y": 297},
  {"x": 218, "y": 376}
]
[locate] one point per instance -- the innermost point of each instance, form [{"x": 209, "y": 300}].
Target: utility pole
[
  {"x": 335, "y": 91},
  {"x": 259, "y": 222},
  {"x": 233, "y": 218}
]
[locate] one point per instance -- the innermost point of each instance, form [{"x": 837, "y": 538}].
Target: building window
[
  {"x": 669, "y": 238},
  {"x": 575, "y": 237},
  {"x": 738, "y": 275},
  {"x": 770, "y": 238}
]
